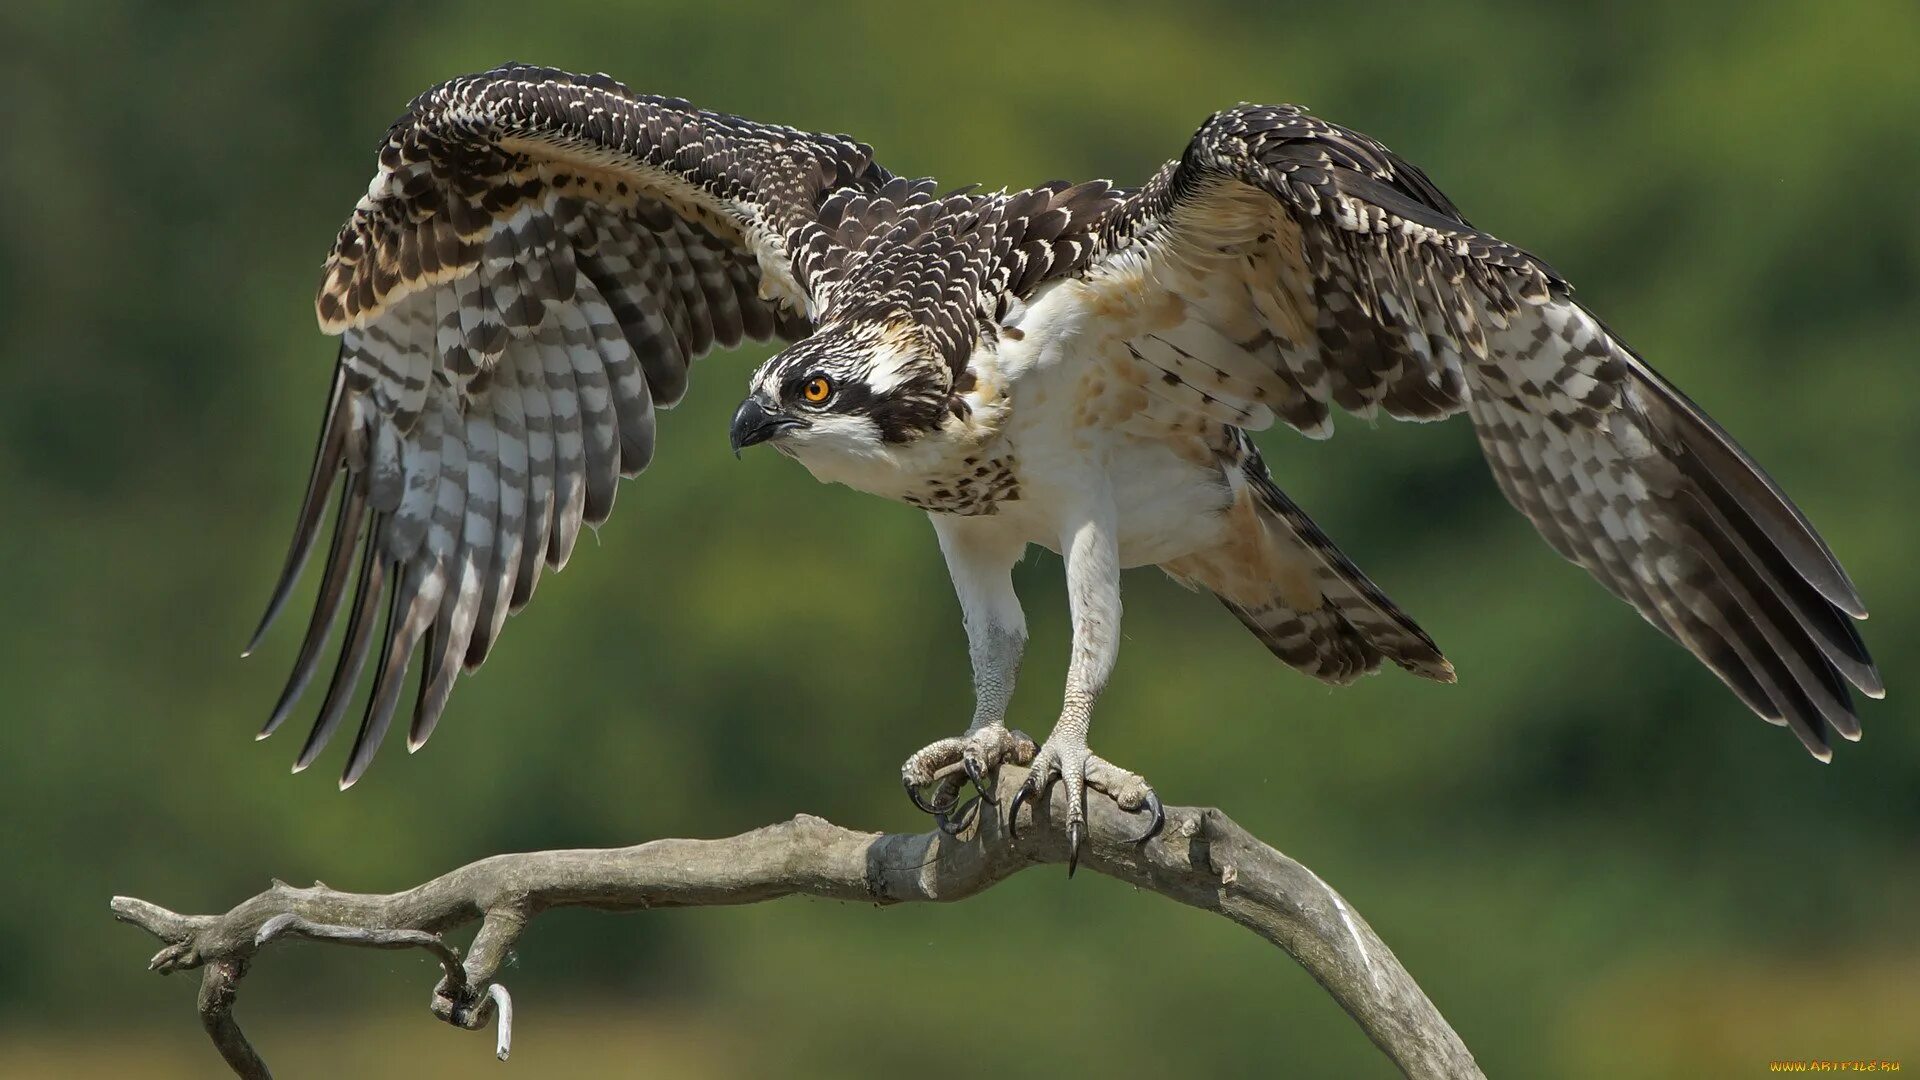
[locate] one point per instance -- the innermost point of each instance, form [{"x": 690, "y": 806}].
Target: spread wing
[
  {"x": 1284, "y": 265},
  {"x": 535, "y": 265}
]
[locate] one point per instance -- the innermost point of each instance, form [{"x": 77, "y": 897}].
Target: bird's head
[{"x": 853, "y": 391}]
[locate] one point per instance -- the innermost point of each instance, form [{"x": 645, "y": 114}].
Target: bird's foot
[
  {"x": 947, "y": 765},
  {"x": 1068, "y": 759}
]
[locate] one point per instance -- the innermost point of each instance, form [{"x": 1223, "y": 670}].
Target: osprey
[{"x": 542, "y": 255}]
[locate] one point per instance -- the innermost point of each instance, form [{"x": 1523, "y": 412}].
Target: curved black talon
[
  {"x": 978, "y": 775},
  {"x": 1155, "y": 823},
  {"x": 1073, "y": 846},
  {"x": 1013, "y": 808},
  {"x": 957, "y": 823},
  {"x": 913, "y": 792},
  {"x": 1020, "y": 796}
]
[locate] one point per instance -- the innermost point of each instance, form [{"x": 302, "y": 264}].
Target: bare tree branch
[{"x": 1202, "y": 859}]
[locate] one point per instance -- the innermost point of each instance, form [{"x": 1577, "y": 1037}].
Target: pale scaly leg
[
  {"x": 1093, "y": 592},
  {"x": 980, "y": 557}
]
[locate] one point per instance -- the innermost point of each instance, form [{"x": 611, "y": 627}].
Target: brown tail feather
[
  {"x": 1321, "y": 643},
  {"x": 1304, "y": 599}
]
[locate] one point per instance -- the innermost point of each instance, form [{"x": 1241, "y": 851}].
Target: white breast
[{"x": 1078, "y": 423}]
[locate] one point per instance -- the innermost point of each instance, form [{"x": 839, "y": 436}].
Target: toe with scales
[
  {"x": 1083, "y": 770},
  {"x": 975, "y": 757}
]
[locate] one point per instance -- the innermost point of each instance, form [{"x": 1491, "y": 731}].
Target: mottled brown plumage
[{"x": 1314, "y": 267}]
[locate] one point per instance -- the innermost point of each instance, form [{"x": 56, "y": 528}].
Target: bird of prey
[{"x": 541, "y": 256}]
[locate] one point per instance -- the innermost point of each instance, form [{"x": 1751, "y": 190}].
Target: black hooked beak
[{"x": 754, "y": 423}]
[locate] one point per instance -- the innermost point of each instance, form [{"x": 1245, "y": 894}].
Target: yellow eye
[{"x": 817, "y": 389}]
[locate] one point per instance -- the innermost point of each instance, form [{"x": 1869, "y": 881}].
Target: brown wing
[
  {"x": 1284, "y": 265},
  {"x": 537, "y": 261}
]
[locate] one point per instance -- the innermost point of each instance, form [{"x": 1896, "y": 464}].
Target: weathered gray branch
[{"x": 1202, "y": 859}]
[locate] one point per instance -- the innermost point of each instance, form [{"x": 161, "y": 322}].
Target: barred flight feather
[
  {"x": 1416, "y": 313},
  {"x": 536, "y": 263}
]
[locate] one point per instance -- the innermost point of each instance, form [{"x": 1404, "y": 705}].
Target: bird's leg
[
  {"x": 1093, "y": 591},
  {"x": 981, "y": 562}
]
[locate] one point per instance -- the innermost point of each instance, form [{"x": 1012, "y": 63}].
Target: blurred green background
[{"x": 1596, "y": 862}]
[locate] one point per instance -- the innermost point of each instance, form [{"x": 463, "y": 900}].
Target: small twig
[
  {"x": 289, "y": 924},
  {"x": 1201, "y": 858},
  {"x": 503, "y": 1007},
  {"x": 218, "y": 988}
]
